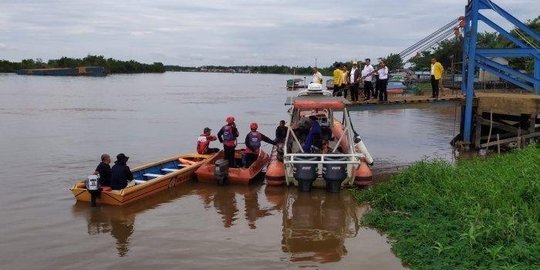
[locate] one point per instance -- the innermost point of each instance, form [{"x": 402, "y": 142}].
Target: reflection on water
[{"x": 314, "y": 225}]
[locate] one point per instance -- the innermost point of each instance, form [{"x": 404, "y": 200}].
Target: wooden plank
[
  {"x": 499, "y": 125},
  {"x": 509, "y": 140}
]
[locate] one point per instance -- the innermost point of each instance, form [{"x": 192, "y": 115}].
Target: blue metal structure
[{"x": 474, "y": 57}]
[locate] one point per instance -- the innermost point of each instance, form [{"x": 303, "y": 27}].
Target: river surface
[{"x": 53, "y": 130}]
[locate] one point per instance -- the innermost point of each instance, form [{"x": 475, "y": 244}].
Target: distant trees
[
  {"x": 111, "y": 65},
  {"x": 393, "y": 61}
]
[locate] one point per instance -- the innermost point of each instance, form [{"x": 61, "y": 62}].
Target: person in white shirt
[
  {"x": 367, "y": 76},
  {"x": 354, "y": 79},
  {"x": 382, "y": 82},
  {"x": 317, "y": 76}
]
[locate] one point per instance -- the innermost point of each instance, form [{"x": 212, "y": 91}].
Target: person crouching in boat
[
  {"x": 204, "y": 141},
  {"x": 253, "y": 144},
  {"x": 227, "y": 135},
  {"x": 313, "y": 142},
  {"x": 121, "y": 173}
]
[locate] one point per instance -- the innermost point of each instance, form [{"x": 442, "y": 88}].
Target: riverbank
[{"x": 478, "y": 214}]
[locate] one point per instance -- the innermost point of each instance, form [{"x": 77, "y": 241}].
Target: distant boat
[
  {"x": 293, "y": 84},
  {"x": 330, "y": 84},
  {"x": 94, "y": 71},
  {"x": 395, "y": 88}
]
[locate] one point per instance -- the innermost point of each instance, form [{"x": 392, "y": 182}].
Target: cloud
[{"x": 221, "y": 32}]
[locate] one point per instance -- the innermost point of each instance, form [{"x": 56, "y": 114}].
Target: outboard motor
[
  {"x": 221, "y": 171},
  {"x": 93, "y": 187},
  {"x": 305, "y": 173},
  {"x": 334, "y": 174}
]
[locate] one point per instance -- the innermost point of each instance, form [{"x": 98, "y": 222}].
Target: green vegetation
[
  {"x": 111, "y": 65},
  {"x": 479, "y": 214}
]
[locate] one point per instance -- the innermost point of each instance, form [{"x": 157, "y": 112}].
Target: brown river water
[{"x": 53, "y": 130}]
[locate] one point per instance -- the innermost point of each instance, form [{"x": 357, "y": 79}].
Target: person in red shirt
[{"x": 203, "y": 142}]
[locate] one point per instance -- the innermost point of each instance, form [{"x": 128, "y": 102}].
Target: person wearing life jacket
[
  {"x": 253, "y": 144},
  {"x": 227, "y": 135},
  {"x": 204, "y": 141}
]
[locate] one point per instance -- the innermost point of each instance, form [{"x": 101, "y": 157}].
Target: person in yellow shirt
[
  {"x": 436, "y": 75},
  {"x": 338, "y": 74}
]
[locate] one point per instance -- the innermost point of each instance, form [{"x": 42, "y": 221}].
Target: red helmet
[
  {"x": 230, "y": 120},
  {"x": 253, "y": 126}
]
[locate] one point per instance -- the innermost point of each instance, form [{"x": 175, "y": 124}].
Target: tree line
[{"x": 111, "y": 65}]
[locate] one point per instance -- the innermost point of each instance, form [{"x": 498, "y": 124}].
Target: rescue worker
[
  {"x": 120, "y": 172},
  {"x": 227, "y": 135},
  {"x": 104, "y": 170},
  {"x": 281, "y": 132},
  {"x": 204, "y": 141},
  {"x": 313, "y": 139},
  {"x": 253, "y": 144}
]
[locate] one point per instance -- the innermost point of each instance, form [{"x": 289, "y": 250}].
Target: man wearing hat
[
  {"x": 204, "y": 141},
  {"x": 354, "y": 81},
  {"x": 121, "y": 173}
]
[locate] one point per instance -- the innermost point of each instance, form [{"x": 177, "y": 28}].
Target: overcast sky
[{"x": 228, "y": 32}]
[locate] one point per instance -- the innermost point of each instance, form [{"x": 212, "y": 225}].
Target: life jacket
[
  {"x": 228, "y": 136},
  {"x": 254, "y": 140},
  {"x": 202, "y": 144}
]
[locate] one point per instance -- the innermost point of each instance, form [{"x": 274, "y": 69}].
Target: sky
[{"x": 228, "y": 32}]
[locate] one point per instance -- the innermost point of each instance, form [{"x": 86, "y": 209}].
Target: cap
[
  {"x": 122, "y": 157},
  {"x": 355, "y": 63},
  {"x": 207, "y": 129},
  {"x": 253, "y": 125}
]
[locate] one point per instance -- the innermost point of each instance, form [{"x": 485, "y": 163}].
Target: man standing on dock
[
  {"x": 367, "y": 76},
  {"x": 337, "y": 79},
  {"x": 354, "y": 80},
  {"x": 436, "y": 75}
]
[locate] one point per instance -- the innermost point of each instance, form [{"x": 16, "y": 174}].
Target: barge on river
[{"x": 94, "y": 71}]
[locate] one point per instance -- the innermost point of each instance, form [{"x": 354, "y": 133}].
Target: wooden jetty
[
  {"x": 499, "y": 119},
  {"x": 402, "y": 100},
  {"x": 505, "y": 120}
]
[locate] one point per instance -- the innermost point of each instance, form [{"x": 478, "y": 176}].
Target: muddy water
[{"x": 54, "y": 129}]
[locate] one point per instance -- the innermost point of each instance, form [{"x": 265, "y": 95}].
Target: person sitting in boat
[
  {"x": 253, "y": 144},
  {"x": 313, "y": 140},
  {"x": 227, "y": 135},
  {"x": 104, "y": 170},
  {"x": 121, "y": 173},
  {"x": 203, "y": 142},
  {"x": 281, "y": 132}
]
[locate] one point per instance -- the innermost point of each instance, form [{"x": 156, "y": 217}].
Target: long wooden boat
[
  {"x": 149, "y": 179},
  {"x": 235, "y": 175}
]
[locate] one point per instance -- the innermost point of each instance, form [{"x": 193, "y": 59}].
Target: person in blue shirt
[{"x": 313, "y": 138}]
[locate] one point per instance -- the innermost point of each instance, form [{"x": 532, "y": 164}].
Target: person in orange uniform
[
  {"x": 253, "y": 144},
  {"x": 227, "y": 135},
  {"x": 203, "y": 142},
  {"x": 436, "y": 75}
]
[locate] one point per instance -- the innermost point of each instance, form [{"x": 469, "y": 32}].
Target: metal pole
[
  {"x": 471, "y": 66},
  {"x": 537, "y": 75}
]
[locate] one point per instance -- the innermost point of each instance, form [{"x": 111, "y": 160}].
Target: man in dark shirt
[
  {"x": 121, "y": 173},
  {"x": 104, "y": 170},
  {"x": 281, "y": 132}
]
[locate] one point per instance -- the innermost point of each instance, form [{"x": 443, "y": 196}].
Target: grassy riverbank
[{"x": 480, "y": 214}]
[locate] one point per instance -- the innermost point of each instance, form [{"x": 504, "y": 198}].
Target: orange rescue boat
[{"x": 207, "y": 172}]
